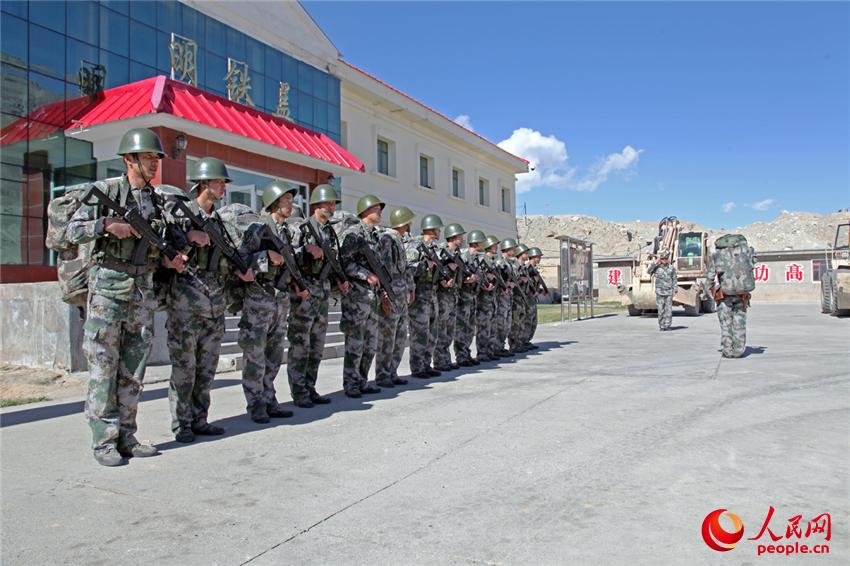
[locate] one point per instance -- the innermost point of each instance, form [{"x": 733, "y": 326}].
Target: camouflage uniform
[
  {"x": 195, "y": 325},
  {"x": 733, "y": 270},
  {"x": 533, "y": 300},
  {"x": 519, "y": 308},
  {"x": 359, "y": 320},
  {"x": 485, "y": 310},
  {"x": 505, "y": 303},
  {"x": 262, "y": 327},
  {"x": 308, "y": 319},
  {"x": 392, "y": 335},
  {"x": 665, "y": 285},
  {"x": 423, "y": 313},
  {"x": 118, "y": 330},
  {"x": 447, "y": 300},
  {"x": 467, "y": 306}
]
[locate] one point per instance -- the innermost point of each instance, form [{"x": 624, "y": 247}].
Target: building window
[
  {"x": 426, "y": 171},
  {"x": 506, "y": 199},
  {"x": 483, "y": 192},
  {"x": 818, "y": 269},
  {"x": 386, "y": 157},
  {"x": 457, "y": 183}
]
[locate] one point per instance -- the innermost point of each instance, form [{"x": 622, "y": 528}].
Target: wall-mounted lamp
[{"x": 180, "y": 145}]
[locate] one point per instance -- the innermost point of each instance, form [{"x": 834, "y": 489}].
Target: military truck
[
  {"x": 835, "y": 280},
  {"x": 688, "y": 253}
]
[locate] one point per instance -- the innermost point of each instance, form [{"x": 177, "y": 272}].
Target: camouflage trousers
[
  {"x": 733, "y": 327},
  {"x": 422, "y": 324},
  {"x": 447, "y": 305},
  {"x": 117, "y": 340},
  {"x": 194, "y": 343},
  {"x": 665, "y": 310},
  {"x": 308, "y": 327},
  {"x": 392, "y": 339},
  {"x": 465, "y": 324},
  {"x": 485, "y": 312},
  {"x": 262, "y": 330},
  {"x": 359, "y": 324},
  {"x": 503, "y": 319},
  {"x": 533, "y": 319},
  {"x": 519, "y": 316}
]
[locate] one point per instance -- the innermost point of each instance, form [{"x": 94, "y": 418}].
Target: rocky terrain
[{"x": 790, "y": 230}]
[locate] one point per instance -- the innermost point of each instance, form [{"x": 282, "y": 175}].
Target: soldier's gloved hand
[
  {"x": 247, "y": 277},
  {"x": 315, "y": 251},
  {"x": 198, "y": 238},
  {"x": 176, "y": 263},
  {"x": 373, "y": 280},
  {"x": 119, "y": 228},
  {"x": 275, "y": 257}
]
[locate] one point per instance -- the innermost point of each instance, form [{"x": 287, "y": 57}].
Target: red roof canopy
[{"x": 161, "y": 95}]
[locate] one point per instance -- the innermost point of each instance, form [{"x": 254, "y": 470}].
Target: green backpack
[{"x": 734, "y": 260}]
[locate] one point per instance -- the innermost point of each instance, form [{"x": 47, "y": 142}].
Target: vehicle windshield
[
  {"x": 842, "y": 237},
  {"x": 690, "y": 251}
]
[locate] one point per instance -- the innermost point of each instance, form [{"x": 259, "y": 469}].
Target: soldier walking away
[
  {"x": 360, "y": 305},
  {"x": 423, "y": 314},
  {"x": 447, "y": 298},
  {"x": 731, "y": 280},
  {"x": 196, "y": 305},
  {"x": 503, "y": 322},
  {"x": 467, "y": 307},
  {"x": 665, "y": 287},
  {"x": 392, "y": 334},
  {"x": 263, "y": 325},
  {"x": 308, "y": 319},
  {"x": 121, "y": 302},
  {"x": 539, "y": 289}
]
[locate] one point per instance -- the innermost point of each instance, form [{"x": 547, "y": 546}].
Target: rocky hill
[{"x": 790, "y": 230}]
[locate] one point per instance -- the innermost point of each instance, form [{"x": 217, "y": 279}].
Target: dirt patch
[{"x": 20, "y": 384}]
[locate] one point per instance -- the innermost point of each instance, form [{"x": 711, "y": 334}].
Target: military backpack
[{"x": 734, "y": 260}]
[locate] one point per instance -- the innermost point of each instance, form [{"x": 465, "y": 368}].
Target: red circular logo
[{"x": 718, "y": 538}]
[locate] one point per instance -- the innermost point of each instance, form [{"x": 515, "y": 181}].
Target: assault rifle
[
  {"x": 537, "y": 277},
  {"x": 328, "y": 253},
  {"x": 213, "y": 230},
  {"x": 380, "y": 271},
  {"x": 497, "y": 276},
  {"x": 284, "y": 248},
  {"x": 440, "y": 270},
  {"x": 148, "y": 236}
]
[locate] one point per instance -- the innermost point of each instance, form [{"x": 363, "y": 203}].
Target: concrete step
[{"x": 231, "y": 360}]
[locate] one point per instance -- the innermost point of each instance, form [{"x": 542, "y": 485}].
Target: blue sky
[{"x": 722, "y": 113}]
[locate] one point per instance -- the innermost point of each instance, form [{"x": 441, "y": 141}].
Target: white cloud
[
  {"x": 729, "y": 206},
  {"x": 764, "y": 204},
  {"x": 548, "y": 158},
  {"x": 465, "y": 121}
]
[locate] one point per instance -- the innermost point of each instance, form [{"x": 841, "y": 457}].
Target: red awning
[{"x": 161, "y": 95}]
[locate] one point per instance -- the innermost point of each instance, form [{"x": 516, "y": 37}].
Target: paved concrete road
[{"x": 609, "y": 444}]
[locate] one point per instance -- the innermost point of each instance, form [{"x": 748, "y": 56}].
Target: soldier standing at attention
[
  {"x": 423, "y": 313},
  {"x": 665, "y": 287},
  {"x": 467, "y": 306},
  {"x": 121, "y": 302},
  {"x": 534, "y": 257},
  {"x": 486, "y": 306},
  {"x": 521, "y": 315},
  {"x": 447, "y": 297},
  {"x": 359, "y": 320},
  {"x": 505, "y": 266},
  {"x": 196, "y": 306},
  {"x": 392, "y": 335},
  {"x": 308, "y": 319}
]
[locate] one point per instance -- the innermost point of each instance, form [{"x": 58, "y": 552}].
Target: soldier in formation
[{"x": 423, "y": 313}]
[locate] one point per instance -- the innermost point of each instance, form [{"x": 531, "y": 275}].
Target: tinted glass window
[
  {"x": 47, "y": 51},
  {"x": 13, "y": 40},
  {"x": 114, "y": 32},
  {"x": 48, "y": 14}
]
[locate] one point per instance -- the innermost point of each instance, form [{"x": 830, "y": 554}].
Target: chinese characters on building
[
  {"x": 238, "y": 82},
  {"x": 184, "y": 53},
  {"x": 615, "y": 277},
  {"x": 793, "y": 272},
  {"x": 283, "y": 102},
  {"x": 761, "y": 272},
  {"x": 91, "y": 77}
]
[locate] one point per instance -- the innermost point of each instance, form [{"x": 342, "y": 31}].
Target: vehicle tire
[
  {"x": 826, "y": 303},
  {"x": 709, "y": 305},
  {"x": 634, "y": 311},
  {"x": 694, "y": 310}
]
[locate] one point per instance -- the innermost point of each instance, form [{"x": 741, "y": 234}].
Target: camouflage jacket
[
  {"x": 88, "y": 225},
  {"x": 392, "y": 254},
  {"x": 665, "y": 279},
  {"x": 447, "y": 254},
  {"x": 311, "y": 267},
  {"x": 486, "y": 266},
  {"x": 417, "y": 263},
  {"x": 354, "y": 262},
  {"x": 471, "y": 261}
]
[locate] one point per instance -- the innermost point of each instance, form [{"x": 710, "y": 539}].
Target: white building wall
[{"x": 364, "y": 123}]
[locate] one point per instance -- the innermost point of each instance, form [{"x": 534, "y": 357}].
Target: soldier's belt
[{"x": 123, "y": 266}]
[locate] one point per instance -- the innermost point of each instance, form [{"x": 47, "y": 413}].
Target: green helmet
[
  {"x": 476, "y": 237},
  {"x": 368, "y": 201},
  {"x": 534, "y": 252},
  {"x": 401, "y": 216},
  {"x": 209, "y": 168},
  {"x": 453, "y": 230},
  {"x": 430, "y": 222},
  {"x": 275, "y": 190},
  {"x": 490, "y": 242},
  {"x": 507, "y": 244},
  {"x": 140, "y": 140},
  {"x": 521, "y": 249},
  {"x": 323, "y": 193}
]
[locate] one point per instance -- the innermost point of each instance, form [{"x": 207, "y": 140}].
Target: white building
[{"x": 421, "y": 159}]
